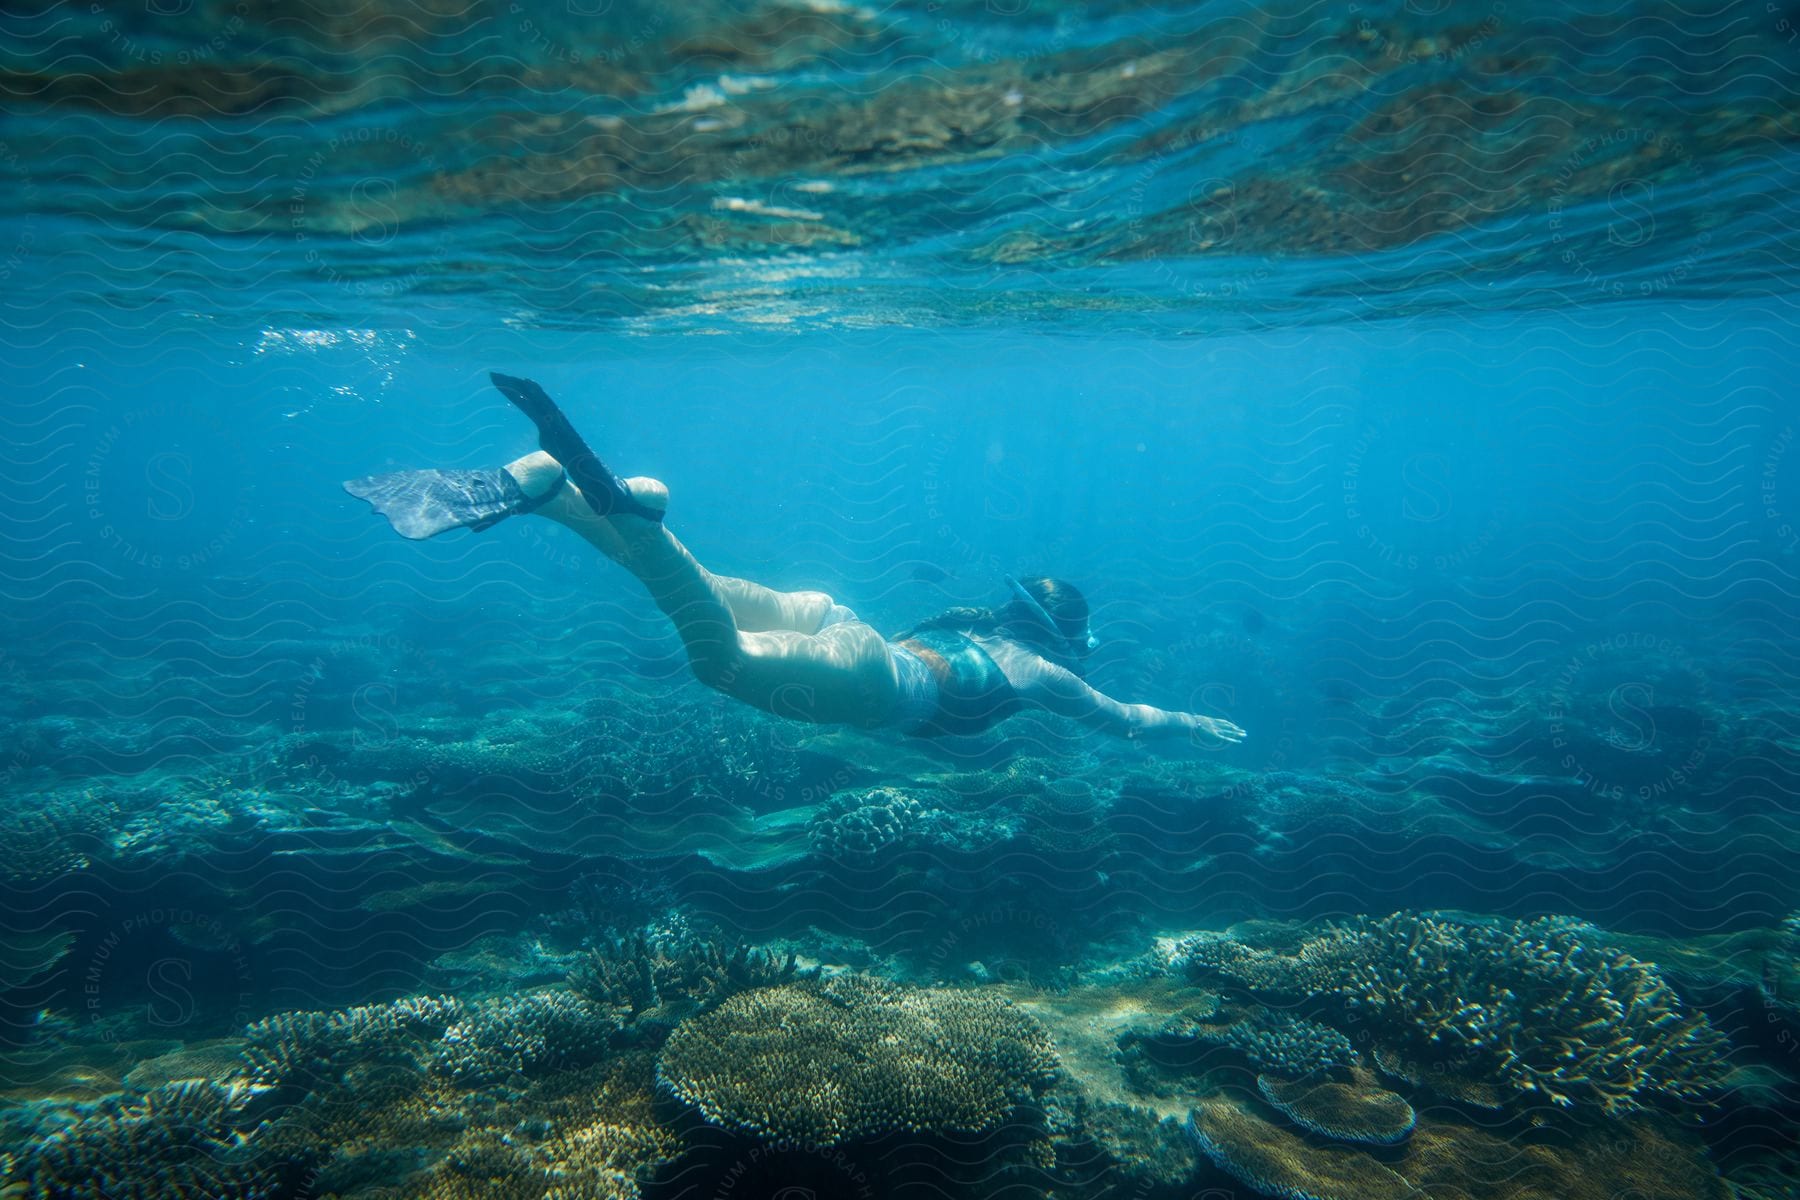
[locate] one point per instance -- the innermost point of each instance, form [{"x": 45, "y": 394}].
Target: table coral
[
  {"x": 827, "y": 1061},
  {"x": 1356, "y": 1111},
  {"x": 1278, "y": 1162}
]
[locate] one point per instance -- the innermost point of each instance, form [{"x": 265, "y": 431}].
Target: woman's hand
[{"x": 1213, "y": 731}]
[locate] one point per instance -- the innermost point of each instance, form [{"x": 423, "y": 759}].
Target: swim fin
[
  {"x": 599, "y": 486},
  {"x": 422, "y": 504}
]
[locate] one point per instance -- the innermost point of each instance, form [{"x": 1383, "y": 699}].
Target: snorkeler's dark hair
[
  {"x": 1058, "y": 599},
  {"x": 1065, "y": 605}
]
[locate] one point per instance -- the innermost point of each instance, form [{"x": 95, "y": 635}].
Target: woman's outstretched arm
[{"x": 1066, "y": 694}]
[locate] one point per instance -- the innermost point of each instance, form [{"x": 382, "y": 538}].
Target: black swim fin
[
  {"x": 422, "y": 504},
  {"x": 599, "y": 486}
]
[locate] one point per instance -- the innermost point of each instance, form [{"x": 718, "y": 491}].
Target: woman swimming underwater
[{"x": 795, "y": 654}]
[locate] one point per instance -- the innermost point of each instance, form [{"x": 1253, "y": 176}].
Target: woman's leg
[
  {"x": 842, "y": 673},
  {"x": 754, "y": 607},
  {"x": 759, "y": 609}
]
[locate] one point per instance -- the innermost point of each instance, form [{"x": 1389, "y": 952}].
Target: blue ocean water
[{"x": 1408, "y": 384}]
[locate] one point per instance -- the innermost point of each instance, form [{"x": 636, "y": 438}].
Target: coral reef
[
  {"x": 308, "y": 1050},
  {"x": 1349, "y": 1112},
  {"x": 641, "y": 972},
  {"x": 1442, "y": 1078},
  {"x": 832, "y": 1060},
  {"x": 1272, "y": 1041},
  {"x": 52, "y": 833},
  {"x": 524, "y": 1035},
  {"x": 1535, "y": 1006},
  {"x": 1279, "y": 1162},
  {"x": 180, "y": 1141},
  {"x": 426, "y": 1097},
  {"x": 1640, "y": 1158},
  {"x": 220, "y": 1060},
  {"x": 466, "y": 1042},
  {"x": 859, "y": 826},
  {"x": 681, "y": 745}
]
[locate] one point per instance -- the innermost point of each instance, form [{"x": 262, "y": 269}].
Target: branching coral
[
  {"x": 572, "y": 1119},
  {"x": 312, "y": 1049},
  {"x": 1212, "y": 956},
  {"x": 468, "y": 1042},
  {"x": 830, "y": 1060},
  {"x": 50, "y": 834},
  {"x": 525, "y": 1034},
  {"x": 635, "y": 974},
  {"x": 1535, "y": 1005},
  {"x": 1273, "y": 1041},
  {"x": 181, "y": 1141}
]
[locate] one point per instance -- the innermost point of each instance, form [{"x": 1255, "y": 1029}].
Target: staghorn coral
[
  {"x": 637, "y": 974},
  {"x": 1349, "y": 1112},
  {"x": 825, "y": 1061},
  {"x": 1215, "y": 956},
  {"x": 468, "y": 1042},
  {"x": 51, "y": 834},
  {"x": 529, "y": 1034},
  {"x": 1272, "y": 1041},
  {"x": 220, "y": 1060},
  {"x": 577, "y": 1134},
  {"x": 1534, "y": 1006},
  {"x": 434, "y": 1098},
  {"x": 180, "y": 1141},
  {"x": 308, "y": 1050},
  {"x": 585, "y": 1134}
]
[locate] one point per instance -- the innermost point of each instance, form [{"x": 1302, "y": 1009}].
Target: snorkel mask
[{"x": 1031, "y": 602}]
